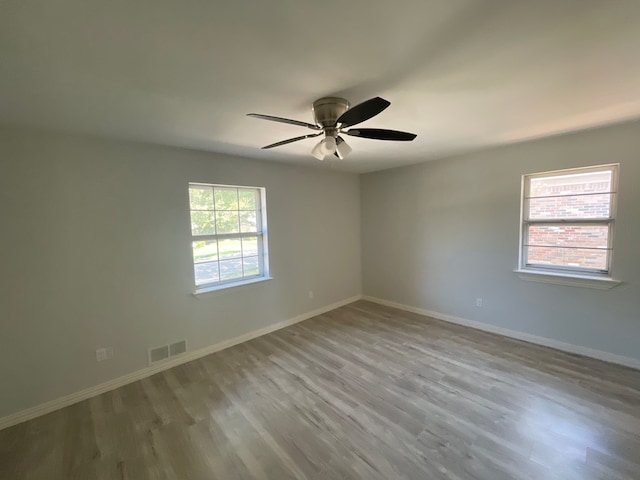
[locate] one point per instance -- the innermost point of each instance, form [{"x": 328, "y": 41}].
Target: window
[
  {"x": 228, "y": 235},
  {"x": 567, "y": 221}
]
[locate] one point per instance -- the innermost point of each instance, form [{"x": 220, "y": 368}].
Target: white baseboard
[
  {"x": 48, "y": 407},
  {"x": 526, "y": 337}
]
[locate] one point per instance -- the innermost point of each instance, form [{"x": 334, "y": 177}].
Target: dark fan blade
[
  {"x": 284, "y": 120},
  {"x": 381, "y": 134},
  {"x": 363, "y": 111},
  {"x": 291, "y": 140}
]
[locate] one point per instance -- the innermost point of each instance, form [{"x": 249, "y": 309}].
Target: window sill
[
  {"x": 228, "y": 287},
  {"x": 601, "y": 283}
]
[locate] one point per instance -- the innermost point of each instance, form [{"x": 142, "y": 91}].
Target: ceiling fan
[{"x": 332, "y": 118}]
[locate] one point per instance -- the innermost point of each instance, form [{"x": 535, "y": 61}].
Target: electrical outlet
[
  {"x": 103, "y": 354},
  {"x": 478, "y": 302},
  {"x": 310, "y": 294}
]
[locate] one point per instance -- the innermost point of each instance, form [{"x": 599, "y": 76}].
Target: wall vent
[
  {"x": 162, "y": 353},
  {"x": 157, "y": 354},
  {"x": 177, "y": 348}
]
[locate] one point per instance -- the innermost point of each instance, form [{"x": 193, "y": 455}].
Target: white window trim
[
  {"x": 219, "y": 287},
  {"x": 561, "y": 276},
  {"x": 216, "y": 290},
  {"x": 597, "y": 282}
]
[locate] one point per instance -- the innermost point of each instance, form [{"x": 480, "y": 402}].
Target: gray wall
[
  {"x": 96, "y": 252},
  {"x": 440, "y": 234}
]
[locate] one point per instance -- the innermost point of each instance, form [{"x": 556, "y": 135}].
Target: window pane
[
  {"x": 247, "y": 199},
  {"x": 588, "y": 236},
  {"x": 230, "y": 248},
  {"x": 201, "y": 197},
  {"x": 226, "y": 198},
  {"x": 220, "y": 217},
  {"x": 251, "y": 266},
  {"x": 249, "y": 246},
  {"x": 581, "y": 206},
  {"x": 202, "y": 223},
  {"x": 248, "y": 222},
  {"x": 567, "y": 257},
  {"x": 230, "y": 269},
  {"x": 227, "y": 222},
  {"x": 205, "y": 251},
  {"x": 571, "y": 184},
  {"x": 206, "y": 273}
]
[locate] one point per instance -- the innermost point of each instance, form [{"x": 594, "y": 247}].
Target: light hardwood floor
[{"x": 364, "y": 391}]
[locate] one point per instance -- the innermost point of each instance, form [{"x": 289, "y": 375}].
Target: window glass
[
  {"x": 227, "y": 232},
  {"x": 567, "y": 220}
]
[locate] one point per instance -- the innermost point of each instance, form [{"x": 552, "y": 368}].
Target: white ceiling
[{"x": 461, "y": 74}]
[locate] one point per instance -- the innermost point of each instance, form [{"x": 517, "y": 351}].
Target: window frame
[
  {"x": 542, "y": 271},
  {"x": 261, "y": 234}
]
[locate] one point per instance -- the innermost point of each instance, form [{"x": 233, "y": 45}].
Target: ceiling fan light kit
[
  {"x": 333, "y": 116},
  {"x": 342, "y": 148},
  {"x": 317, "y": 151}
]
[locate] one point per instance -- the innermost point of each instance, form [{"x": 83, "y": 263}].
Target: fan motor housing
[{"x": 328, "y": 109}]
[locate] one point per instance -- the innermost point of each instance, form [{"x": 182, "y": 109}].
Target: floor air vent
[{"x": 162, "y": 353}]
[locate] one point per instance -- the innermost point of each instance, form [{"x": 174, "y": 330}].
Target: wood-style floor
[{"x": 364, "y": 391}]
